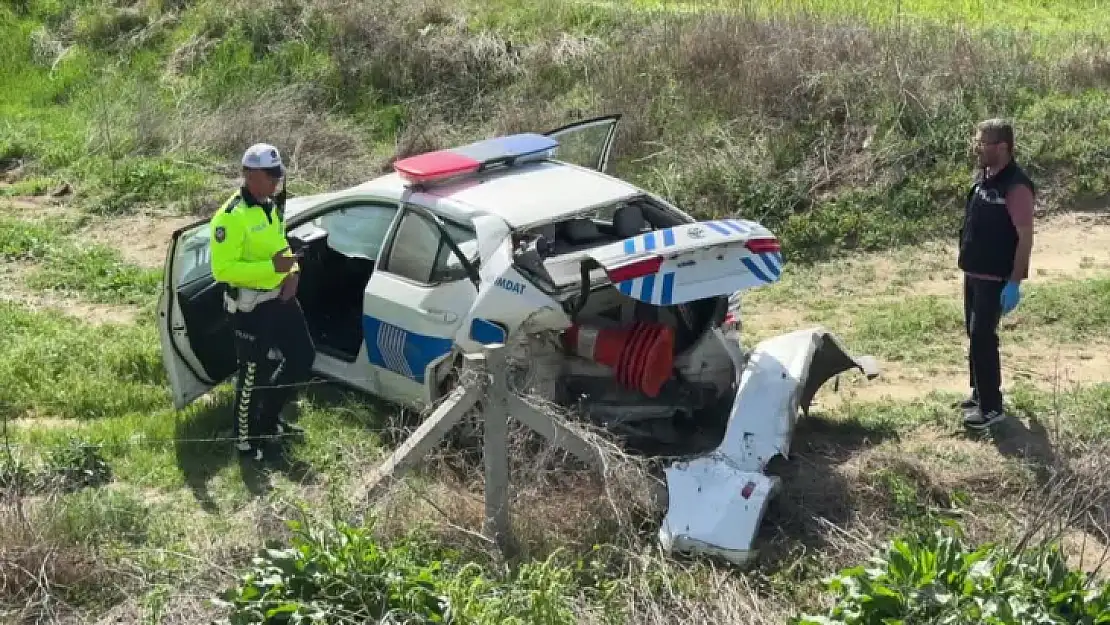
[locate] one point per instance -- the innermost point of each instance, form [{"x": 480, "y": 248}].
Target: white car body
[{"x": 392, "y": 307}]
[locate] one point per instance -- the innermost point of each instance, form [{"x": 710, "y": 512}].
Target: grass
[
  {"x": 1081, "y": 16},
  {"x": 62, "y": 264},
  {"x": 56, "y": 367},
  {"x": 840, "y": 134},
  {"x": 861, "y": 156},
  {"x": 161, "y": 490}
]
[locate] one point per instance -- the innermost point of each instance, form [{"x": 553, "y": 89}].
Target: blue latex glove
[{"x": 1011, "y": 295}]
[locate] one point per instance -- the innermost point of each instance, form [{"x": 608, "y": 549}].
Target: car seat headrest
[
  {"x": 628, "y": 221},
  {"x": 580, "y": 230}
]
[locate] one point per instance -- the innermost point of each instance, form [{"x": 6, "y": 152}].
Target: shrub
[
  {"x": 340, "y": 573},
  {"x": 938, "y": 579}
]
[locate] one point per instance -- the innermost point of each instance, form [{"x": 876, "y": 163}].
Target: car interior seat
[
  {"x": 575, "y": 233},
  {"x": 628, "y": 221}
]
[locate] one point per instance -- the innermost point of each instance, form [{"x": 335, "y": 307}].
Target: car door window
[
  {"x": 420, "y": 253},
  {"x": 193, "y": 257},
  {"x": 358, "y": 231}
]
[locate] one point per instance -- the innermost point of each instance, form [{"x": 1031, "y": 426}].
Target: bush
[
  {"x": 339, "y": 573},
  {"x": 938, "y": 579}
]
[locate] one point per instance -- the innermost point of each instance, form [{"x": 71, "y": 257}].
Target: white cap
[{"x": 262, "y": 156}]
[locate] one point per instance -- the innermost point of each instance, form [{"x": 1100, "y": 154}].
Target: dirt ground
[
  {"x": 1066, "y": 247},
  {"x": 140, "y": 239}
]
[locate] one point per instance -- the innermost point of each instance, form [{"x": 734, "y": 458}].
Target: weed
[
  {"x": 341, "y": 573},
  {"x": 841, "y": 126},
  {"x": 96, "y": 272},
  {"x": 938, "y": 578},
  {"x": 58, "y": 366}
]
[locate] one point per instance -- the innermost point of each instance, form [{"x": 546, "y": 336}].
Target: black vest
[{"x": 988, "y": 238}]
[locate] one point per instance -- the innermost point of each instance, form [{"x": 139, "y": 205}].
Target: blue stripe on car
[
  {"x": 756, "y": 271},
  {"x": 647, "y": 287},
  {"x": 668, "y": 288},
  {"x": 718, "y": 228},
  {"x": 400, "y": 351}
]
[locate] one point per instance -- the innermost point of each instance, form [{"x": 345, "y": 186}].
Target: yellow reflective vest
[{"x": 245, "y": 236}]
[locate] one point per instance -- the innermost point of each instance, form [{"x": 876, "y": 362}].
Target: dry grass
[
  {"x": 39, "y": 573},
  {"x": 848, "y": 487},
  {"x": 783, "y": 94},
  {"x": 862, "y": 126},
  {"x": 813, "y": 108}
]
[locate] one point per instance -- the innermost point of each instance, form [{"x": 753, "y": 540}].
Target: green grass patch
[
  {"x": 56, "y": 366},
  {"x": 194, "y": 449},
  {"x": 928, "y": 330},
  {"x": 1065, "y": 17},
  {"x": 838, "y": 139},
  {"x": 177, "y": 484},
  {"x": 30, "y": 241},
  {"x": 839, "y": 136},
  {"x": 920, "y": 329},
  {"x": 1073, "y": 311},
  {"x": 337, "y": 571},
  {"x": 1074, "y": 413},
  {"x": 97, "y": 273}
]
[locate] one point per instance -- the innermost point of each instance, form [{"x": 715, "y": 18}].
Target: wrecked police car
[{"x": 628, "y": 307}]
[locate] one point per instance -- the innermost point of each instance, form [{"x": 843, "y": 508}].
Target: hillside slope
[
  {"x": 841, "y": 125},
  {"x": 836, "y": 134}
]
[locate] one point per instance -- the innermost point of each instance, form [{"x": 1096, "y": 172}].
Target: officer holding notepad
[{"x": 251, "y": 256}]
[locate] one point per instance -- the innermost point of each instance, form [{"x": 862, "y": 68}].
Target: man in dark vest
[{"x": 995, "y": 244}]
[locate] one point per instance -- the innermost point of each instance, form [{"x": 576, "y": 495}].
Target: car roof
[{"x": 523, "y": 196}]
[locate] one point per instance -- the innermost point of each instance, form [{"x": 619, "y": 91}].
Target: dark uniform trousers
[
  {"x": 276, "y": 354},
  {"x": 982, "y": 312}
]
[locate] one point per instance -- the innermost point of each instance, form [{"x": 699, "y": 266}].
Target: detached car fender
[
  {"x": 716, "y": 502},
  {"x": 780, "y": 378}
]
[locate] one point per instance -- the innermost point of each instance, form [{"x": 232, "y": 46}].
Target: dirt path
[
  {"x": 1067, "y": 247},
  {"x": 1040, "y": 364},
  {"x": 13, "y": 289},
  {"x": 141, "y": 239}
]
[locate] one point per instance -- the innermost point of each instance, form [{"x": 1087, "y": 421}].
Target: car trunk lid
[{"x": 692, "y": 261}]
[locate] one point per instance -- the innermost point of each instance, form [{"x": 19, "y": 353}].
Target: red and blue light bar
[{"x": 475, "y": 157}]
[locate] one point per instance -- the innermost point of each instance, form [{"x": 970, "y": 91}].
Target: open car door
[
  {"x": 198, "y": 344},
  {"x": 586, "y": 143}
]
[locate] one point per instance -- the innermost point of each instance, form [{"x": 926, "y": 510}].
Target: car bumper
[{"x": 716, "y": 502}]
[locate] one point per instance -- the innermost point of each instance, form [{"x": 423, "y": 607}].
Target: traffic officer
[
  {"x": 251, "y": 256},
  {"x": 996, "y": 240}
]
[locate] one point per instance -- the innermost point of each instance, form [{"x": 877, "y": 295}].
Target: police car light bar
[{"x": 475, "y": 157}]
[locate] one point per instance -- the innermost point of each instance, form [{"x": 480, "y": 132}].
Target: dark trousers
[
  {"x": 982, "y": 312},
  {"x": 275, "y": 354}
]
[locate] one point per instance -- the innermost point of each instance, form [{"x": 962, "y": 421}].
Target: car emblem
[{"x": 695, "y": 233}]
